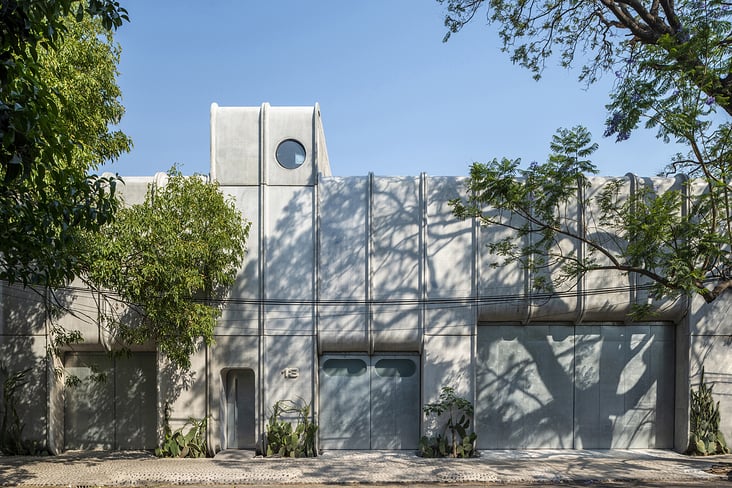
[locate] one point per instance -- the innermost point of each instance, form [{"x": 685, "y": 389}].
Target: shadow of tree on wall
[
  {"x": 31, "y": 321},
  {"x": 23, "y": 347},
  {"x": 175, "y": 381},
  {"x": 114, "y": 403},
  {"x": 273, "y": 297},
  {"x": 370, "y": 263},
  {"x": 343, "y": 250},
  {"x": 710, "y": 344},
  {"x": 581, "y": 387},
  {"x": 574, "y": 387}
]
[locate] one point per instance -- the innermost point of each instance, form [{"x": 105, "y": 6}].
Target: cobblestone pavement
[{"x": 88, "y": 469}]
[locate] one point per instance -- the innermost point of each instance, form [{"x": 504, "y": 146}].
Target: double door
[
  {"x": 112, "y": 404},
  {"x": 369, "y": 402}
]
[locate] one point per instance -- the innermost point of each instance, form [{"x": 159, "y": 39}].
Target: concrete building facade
[{"x": 363, "y": 296}]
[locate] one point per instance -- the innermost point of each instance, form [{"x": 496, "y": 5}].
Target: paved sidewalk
[{"x": 85, "y": 469}]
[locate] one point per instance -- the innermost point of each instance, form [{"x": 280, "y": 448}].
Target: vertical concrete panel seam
[
  {"x": 528, "y": 286},
  {"x": 475, "y": 291},
  {"x": 115, "y": 443},
  {"x": 422, "y": 325},
  {"x": 207, "y": 407},
  {"x": 369, "y": 262},
  {"x": 264, "y": 144},
  {"x": 314, "y": 169},
  {"x": 574, "y": 386},
  {"x": 262, "y": 260},
  {"x": 316, "y": 271},
  {"x": 632, "y": 277},
  {"x": 685, "y": 202},
  {"x": 475, "y": 266},
  {"x": 682, "y": 384},
  {"x": 159, "y": 401},
  {"x": 47, "y": 361},
  {"x": 682, "y": 351},
  {"x": 581, "y": 251}
]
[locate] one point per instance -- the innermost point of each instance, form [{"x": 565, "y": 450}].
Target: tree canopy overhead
[
  {"x": 58, "y": 99},
  {"x": 692, "y": 37},
  {"x": 673, "y": 239},
  {"x": 672, "y": 65}
]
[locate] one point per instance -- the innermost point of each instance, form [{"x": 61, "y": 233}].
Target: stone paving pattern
[{"x": 87, "y": 469}]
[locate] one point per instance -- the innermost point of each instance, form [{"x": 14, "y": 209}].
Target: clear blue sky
[{"x": 395, "y": 99}]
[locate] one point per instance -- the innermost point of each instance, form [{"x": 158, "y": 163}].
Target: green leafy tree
[
  {"x": 58, "y": 97},
  {"x": 164, "y": 265},
  {"x": 672, "y": 64},
  {"x": 640, "y": 232},
  {"x": 686, "y": 39}
]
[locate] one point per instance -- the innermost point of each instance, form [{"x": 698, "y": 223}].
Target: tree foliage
[
  {"x": 672, "y": 238},
  {"x": 672, "y": 63},
  {"x": 687, "y": 39},
  {"x": 164, "y": 265},
  {"x": 58, "y": 97}
]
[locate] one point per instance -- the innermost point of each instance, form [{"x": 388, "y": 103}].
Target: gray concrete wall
[
  {"x": 269, "y": 323},
  {"x": 450, "y": 286},
  {"x": 427, "y": 273},
  {"x": 343, "y": 250},
  {"x": 184, "y": 392},
  {"x": 450, "y": 262},
  {"x": 288, "y": 255},
  {"x": 288, "y": 352},
  {"x": 711, "y": 348},
  {"x": 235, "y": 145},
  {"x": 378, "y": 265},
  {"x": 230, "y": 352},
  {"x": 244, "y": 141},
  {"x": 584, "y": 387},
  {"x": 23, "y": 343},
  {"x": 397, "y": 267}
]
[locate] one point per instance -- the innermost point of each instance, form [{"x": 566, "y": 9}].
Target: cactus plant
[
  {"x": 190, "y": 444},
  {"x": 460, "y": 442},
  {"x": 283, "y": 439},
  {"x": 705, "y": 438}
]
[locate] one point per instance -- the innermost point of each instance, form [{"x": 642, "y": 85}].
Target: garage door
[
  {"x": 113, "y": 404},
  {"x": 555, "y": 386},
  {"x": 369, "y": 402}
]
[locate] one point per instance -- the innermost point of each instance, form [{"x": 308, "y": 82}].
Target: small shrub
[
  {"x": 182, "y": 444},
  {"x": 285, "y": 440},
  {"x": 457, "y": 438},
  {"x": 705, "y": 438}
]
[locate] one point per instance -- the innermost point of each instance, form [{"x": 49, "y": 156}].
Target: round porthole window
[{"x": 290, "y": 154}]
